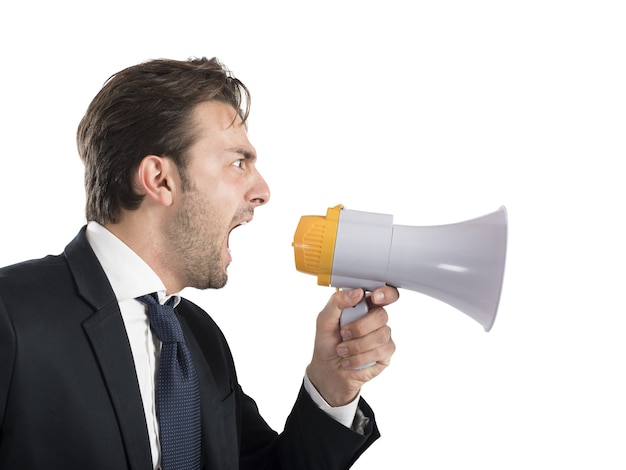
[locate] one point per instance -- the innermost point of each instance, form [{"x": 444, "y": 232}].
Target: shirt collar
[{"x": 129, "y": 275}]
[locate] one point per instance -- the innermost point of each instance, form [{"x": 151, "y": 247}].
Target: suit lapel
[{"x": 107, "y": 334}]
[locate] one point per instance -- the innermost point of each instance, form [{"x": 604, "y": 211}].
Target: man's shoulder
[
  {"x": 51, "y": 270},
  {"x": 40, "y": 268},
  {"x": 32, "y": 271},
  {"x": 30, "y": 285}
]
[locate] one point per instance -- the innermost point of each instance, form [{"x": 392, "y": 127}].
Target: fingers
[
  {"x": 366, "y": 340},
  {"x": 328, "y": 318},
  {"x": 384, "y": 295},
  {"x": 377, "y": 346},
  {"x": 347, "y": 298},
  {"x": 375, "y": 319},
  {"x": 378, "y": 356}
]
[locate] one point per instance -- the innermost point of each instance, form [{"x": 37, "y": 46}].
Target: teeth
[{"x": 245, "y": 222}]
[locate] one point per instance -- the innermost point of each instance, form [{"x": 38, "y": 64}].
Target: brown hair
[{"x": 145, "y": 110}]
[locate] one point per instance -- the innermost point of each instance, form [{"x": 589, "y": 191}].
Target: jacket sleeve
[
  {"x": 7, "y": 355},
  {"x": 311, "y": 440}
]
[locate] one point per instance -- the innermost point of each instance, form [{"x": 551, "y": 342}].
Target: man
[{"x": 169, "y": 173}]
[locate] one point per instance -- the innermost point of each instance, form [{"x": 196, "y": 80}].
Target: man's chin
[
  {"x": 215, "y": 281},
  {"x": 218, "y": 283}
]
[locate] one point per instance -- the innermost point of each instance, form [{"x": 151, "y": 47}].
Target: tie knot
[{"x": 163, "y": 321}]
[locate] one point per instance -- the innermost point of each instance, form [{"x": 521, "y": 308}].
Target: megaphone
[{"x": 461, "y": 264}]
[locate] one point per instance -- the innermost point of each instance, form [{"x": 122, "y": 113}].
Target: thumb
[
  {"x": 350, "y": 297},
  {"x": 339, "y": 300}
]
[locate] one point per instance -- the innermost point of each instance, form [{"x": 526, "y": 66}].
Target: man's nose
[{"x": 259, "y": 193}]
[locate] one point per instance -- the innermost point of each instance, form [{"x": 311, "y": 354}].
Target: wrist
[{"x": 333, "y": 395}]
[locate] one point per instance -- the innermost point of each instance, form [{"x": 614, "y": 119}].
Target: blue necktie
[{"x": 177, "y": 391}]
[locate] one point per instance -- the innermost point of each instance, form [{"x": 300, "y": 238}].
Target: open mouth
[{"x": 245, "y": 222}]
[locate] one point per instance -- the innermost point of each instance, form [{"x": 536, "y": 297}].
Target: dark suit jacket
[{"x": 69, "y": 397}]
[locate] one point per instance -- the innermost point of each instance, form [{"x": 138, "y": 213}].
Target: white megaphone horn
[{"x": 460, "y": 264}]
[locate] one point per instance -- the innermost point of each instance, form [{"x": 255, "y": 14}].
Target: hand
[{"x": 338, "y": 352}]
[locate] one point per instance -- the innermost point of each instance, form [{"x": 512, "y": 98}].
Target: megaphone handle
[
  {"x": 351, "y": 314},
  {"x": 348, "y": 315}
]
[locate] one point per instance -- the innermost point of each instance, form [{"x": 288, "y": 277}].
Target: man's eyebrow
[{"x": 250, "y": 156}]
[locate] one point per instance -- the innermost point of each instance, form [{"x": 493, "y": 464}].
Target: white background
[{"x": 435, "y": 112}]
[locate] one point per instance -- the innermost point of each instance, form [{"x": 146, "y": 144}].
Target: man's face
[{"x": 224, "y": 189}]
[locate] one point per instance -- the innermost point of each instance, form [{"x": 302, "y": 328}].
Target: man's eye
[{"x": 238, "y": 163}]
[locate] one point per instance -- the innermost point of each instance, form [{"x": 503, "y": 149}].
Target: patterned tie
[{"x": 177, "y": 391}]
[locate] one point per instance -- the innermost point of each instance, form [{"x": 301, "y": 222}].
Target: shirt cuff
[{"x": 344, "y": 414}]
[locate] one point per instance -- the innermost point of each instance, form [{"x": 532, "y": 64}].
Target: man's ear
[{"x": 157, "y": 178}]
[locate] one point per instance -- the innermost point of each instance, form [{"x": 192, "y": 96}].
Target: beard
[{"x": 198, "y": 241}]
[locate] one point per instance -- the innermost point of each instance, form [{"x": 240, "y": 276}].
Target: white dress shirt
[{"x": 131, "y": 277}]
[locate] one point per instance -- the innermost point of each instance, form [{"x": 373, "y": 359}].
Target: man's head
[
  {"x": 169, "y": 168},
  {"x": 146, "y": 110}
]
